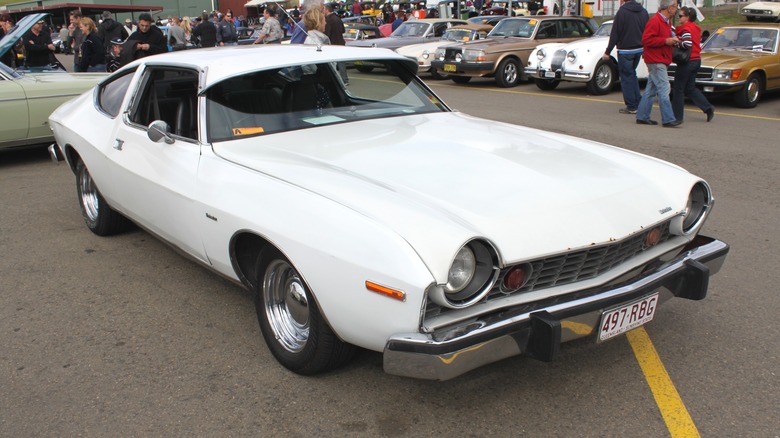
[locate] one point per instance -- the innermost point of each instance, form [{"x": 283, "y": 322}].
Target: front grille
[
  {"x": 449, "y": 54},
  {"x": 557, "y": 60},
  {"x": 570, "y": 267},
  {"x": 705, "y": 73}
]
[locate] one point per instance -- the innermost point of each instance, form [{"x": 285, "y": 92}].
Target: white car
[
  {"x": 762, "y": 11},
  {"x": 579, "y": 61},
  {"x": 376, "y": 217},
  {"x": 423, "y": 53}
]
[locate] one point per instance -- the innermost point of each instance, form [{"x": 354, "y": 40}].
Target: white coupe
[
  {"x": 423, "y": 53},
  {"x": 579, "y": 61},
  {"x": 372, "y": 216}
]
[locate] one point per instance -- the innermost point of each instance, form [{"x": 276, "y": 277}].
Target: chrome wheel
[
  {"x": 603, "y": 78},
  {"x": 286, "y": 305},
  {"x": 88, "y": 195},
  {"x": 510, "y": 73},
  {"x": 750, "y": 94}
]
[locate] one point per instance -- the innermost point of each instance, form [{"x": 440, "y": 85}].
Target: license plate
[
  {"x": 549, "y": 74},
  {"x": 450, "y": 67},
  {"x": 622, "y": 319}
]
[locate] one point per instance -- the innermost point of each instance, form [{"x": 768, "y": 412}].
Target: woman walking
[{"x": 685, "y": 74}]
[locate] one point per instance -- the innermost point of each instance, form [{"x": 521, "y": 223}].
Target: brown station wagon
[{"x": 505, "y": 51}]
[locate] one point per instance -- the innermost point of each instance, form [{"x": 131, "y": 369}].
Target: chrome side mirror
[{"x": 159, "y": 130}]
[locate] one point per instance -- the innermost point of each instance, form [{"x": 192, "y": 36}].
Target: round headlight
[
  {"x": 425, "y": 54},
  {"x": 571, "y": 56},
  {"x": 699, "y": 202},
  {"x": 461, "y": 271},
  {"x": 458, "y": 57},
  {"x": 472, "y": 274},
  {"x": 541, "y": 54}
]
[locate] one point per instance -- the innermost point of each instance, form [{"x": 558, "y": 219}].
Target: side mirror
[{"x": 159, "y": 130}]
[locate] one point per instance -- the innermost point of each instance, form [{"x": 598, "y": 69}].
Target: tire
[
  {"x": 603, "y": 79},
  {"x": 100, "y": 218},
  {"x": 435, "y": 75},
  {"x": 751, "y": 92},
  {"x": 508, "y": 73},
  {"x": 460, "y": 79},
  {"x": 290, "y": 320},
  {"x": 364, "y": 69},
  {"x": 546, "y": 84},
  {"x": 751, "y": 18}
]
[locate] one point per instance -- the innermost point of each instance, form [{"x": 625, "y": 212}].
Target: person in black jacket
[
  {"x": 93, "y": 55},
  {"x": 110, "y": 30},
  {"x": 38, "y": 46},
  {"x": 626, "y": 34},
  {"x": 205, "y": 32},
  {"x": 5, "y": 26},
  {"x": 147, "y": 40}
]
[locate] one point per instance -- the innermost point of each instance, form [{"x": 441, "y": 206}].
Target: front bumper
[
  {"x": 560, "y": 75},
  {"x": 540, "y": 330},
  {"x": 464, "y": 68}
]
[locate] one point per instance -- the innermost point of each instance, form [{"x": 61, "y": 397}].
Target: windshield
[
  {"x": 410, "y": 29},
  {"x": 734, "y": 38},
  {"x": 311, "y": 95},
  {"x": 514, "y": 28},
  {"x": 459, "y": 35},
  {"x": 603, "y": 30}
]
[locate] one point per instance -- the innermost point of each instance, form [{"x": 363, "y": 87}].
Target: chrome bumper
[
  {"x": 54, "y": 153},
  {"x": 539, "y": 333}
]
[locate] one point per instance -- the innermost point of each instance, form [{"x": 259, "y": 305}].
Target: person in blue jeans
[
  {"x": 658, "y": 40},
  {"x": 685, "y": 74},
  {"x": 626, "y": 35}
]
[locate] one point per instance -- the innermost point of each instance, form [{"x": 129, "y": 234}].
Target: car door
[
  {"x": 155, "y": 181},
  {"x": 15, "y": 122}
]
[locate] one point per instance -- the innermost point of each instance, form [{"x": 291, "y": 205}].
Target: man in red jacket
[{"x": 658, "y": 40}]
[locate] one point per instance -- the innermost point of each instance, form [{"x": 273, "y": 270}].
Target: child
[{"x": 113, "y": 62}]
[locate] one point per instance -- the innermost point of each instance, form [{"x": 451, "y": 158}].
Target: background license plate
[
  {"x": 549, "y": 74},
  {"x": 628, "y": 317},
  {"x": 450, "y": 67}
]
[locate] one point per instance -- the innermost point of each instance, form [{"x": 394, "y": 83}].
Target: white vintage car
[
  {"x": 762, "y": 11},
  {"x": 579, "y": 61},
  {"x": 423, "y": 53},
  {"x": 371, "y": 216}
]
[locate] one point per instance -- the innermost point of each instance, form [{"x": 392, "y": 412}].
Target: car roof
[
  {"x": 219, "y": 63},
  {"x": 18, "y": 31}
]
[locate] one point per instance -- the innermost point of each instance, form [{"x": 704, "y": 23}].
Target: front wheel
[
  {"x": 436, "y": 75},
  {"x": 460, "y": 79},
  {"x": 508, "y": 73},
  {"x": 290, "y": 320},
  {"x": 546, "y": 84},
  {"x": 100, "y": 218},
  {"x": 603, "y": 79},
  {"x": 750, "y": 93}
]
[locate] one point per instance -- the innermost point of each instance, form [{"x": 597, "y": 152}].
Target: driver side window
[{"x": 169, "y": 95}]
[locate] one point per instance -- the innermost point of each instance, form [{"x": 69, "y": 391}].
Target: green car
[{"x": 28, "y": 97}]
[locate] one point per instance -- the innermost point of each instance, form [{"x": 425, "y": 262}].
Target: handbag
[{"x": 681, "y": 54}]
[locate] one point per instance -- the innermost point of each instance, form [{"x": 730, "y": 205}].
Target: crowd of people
[{"x": 639, "y": 36}]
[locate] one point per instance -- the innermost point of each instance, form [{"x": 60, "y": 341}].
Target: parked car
[
  {"x": 762, "y": 11},
  {"x": 357, "y": 32},
  {"x": 423, "y": 53},
  {"x": 411, "y": 32},
  {"x": 519, "y": 8},
  {"x": 491, "y": 20},
  {"x": 743, "y": 61},
  {"x": 370, "y": 20},
  {"x": 443, "y": 250},
  {"x": 247, "y": 35},
  {"x": 504, "y": 54},
  {"x": 578, "y": 61},
  {"x": 28, "y": 98}
]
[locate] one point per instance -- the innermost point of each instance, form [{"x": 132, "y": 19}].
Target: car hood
[
  {"x": 763, "y": 5},
  {"x": 389, "y": 42},
  {"x": 59, "y": 84},
  {"x": 415, "y": 50},
  {"x": 529, "y": 192},
  {"x": 594, "y": 43},
  {"x": 21, "y": 27},
  {"x": 730, "y": 58},
  {"x": 494, "y": 44}
]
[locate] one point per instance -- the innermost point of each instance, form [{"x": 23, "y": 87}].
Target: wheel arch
[{"x": 245, "y": 248}]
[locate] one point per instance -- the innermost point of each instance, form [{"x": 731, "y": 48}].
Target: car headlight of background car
[
  {"x": 474, "y": 55},
  {"x": 572, "y": 56},
  {"x": 696, "y": 210},
  {"x": 727, "y": 74},
  {"x": 471, "y": 276},
  {"x": 425, "y": 54},
  {"x": 541, "y": 54}
]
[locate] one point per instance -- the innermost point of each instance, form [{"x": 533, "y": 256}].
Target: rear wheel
[
  {"x": 603, "y": 79},
  {"x": 546, "y": 84},
  {"x": 100, "y": 218},
  {"x": 508, "y": 73},
  {"x": 460, "y": 79},
  {"x": 290, "y": 320},
  {"x": 750, "y": 93}
]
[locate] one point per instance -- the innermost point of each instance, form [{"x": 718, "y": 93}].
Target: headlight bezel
[
  {"x": 571, "y": 56},
  {"x": 696, "y": 211},
  {"x": 480, "y": 282}
]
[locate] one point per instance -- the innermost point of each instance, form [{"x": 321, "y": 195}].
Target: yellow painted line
[
  {"x": 678, "y": 420},
  {"x": 588, "y": 99}
]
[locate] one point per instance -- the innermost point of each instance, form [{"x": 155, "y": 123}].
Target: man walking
[
  {"x": 75, "y": 39},
  {"x": 226, "y": 31},
  {"x": 627, "y": 29},
  {"x": 658, "y": 40},
  {"x": 205, "y": 32}
]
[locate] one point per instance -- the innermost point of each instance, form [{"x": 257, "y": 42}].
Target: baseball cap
[
  {"x": 127, "y": 20},
  {"x": 118, "y": 41}
]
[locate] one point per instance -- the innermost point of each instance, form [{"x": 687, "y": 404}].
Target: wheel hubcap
[
  {"x": 752, "y": 91},
  {"x": 89, "y": 196},
  {"x": 604, "y": 77},
  {"x": 510, "y": 73},
  {"x": 286, "y": 305}
]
